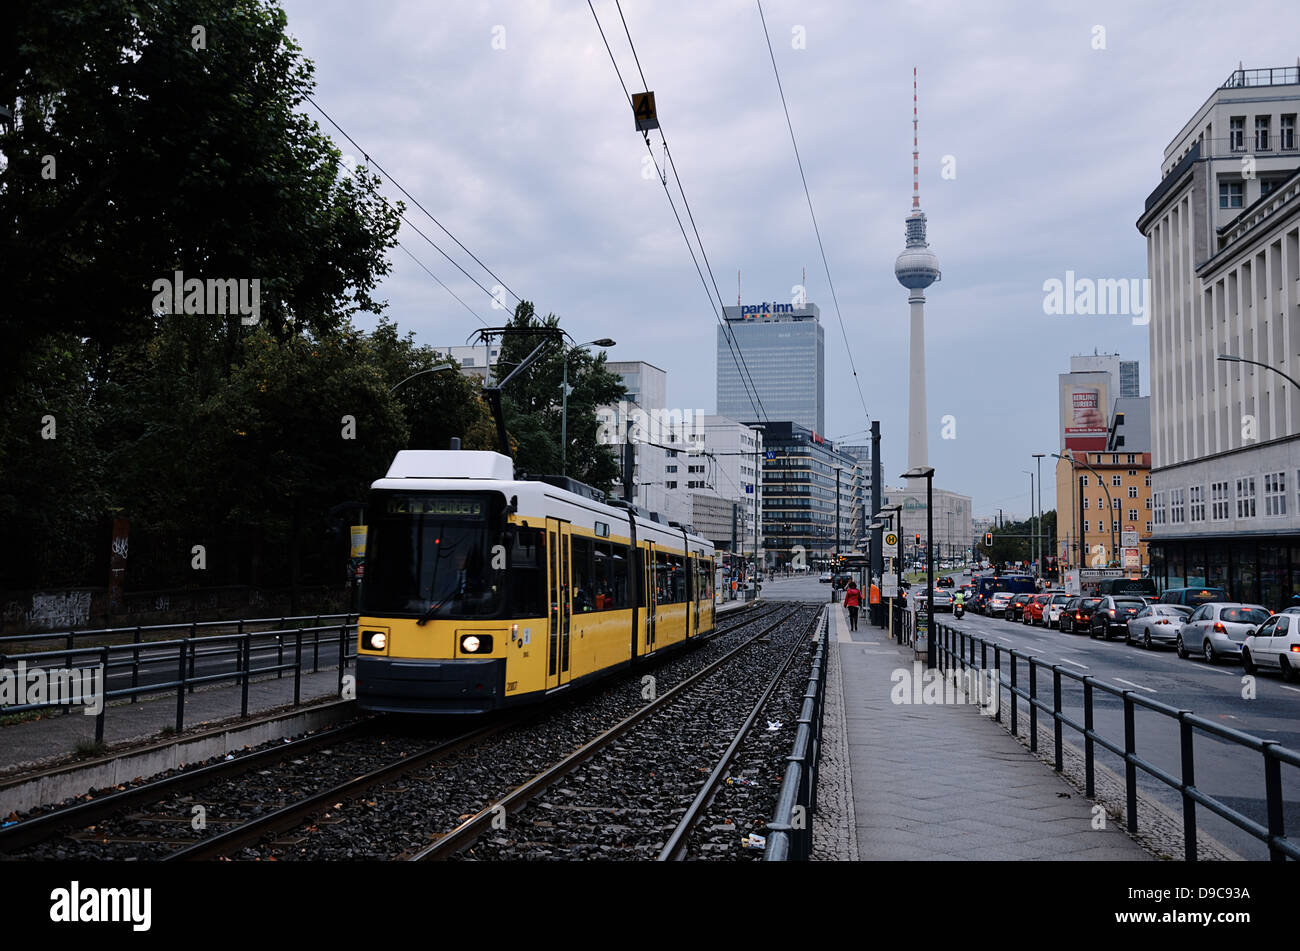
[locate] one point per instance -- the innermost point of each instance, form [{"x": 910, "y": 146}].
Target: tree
[
  {"x": 533, "y": 404},
  {"x": 143, "y": 147}
]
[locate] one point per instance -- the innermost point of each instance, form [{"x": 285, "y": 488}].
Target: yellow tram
[{"x": 482, "y": 591}]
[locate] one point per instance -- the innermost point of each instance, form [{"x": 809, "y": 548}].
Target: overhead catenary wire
[
  {"x": 737, "y": 354},
  {"x": 416, "y": 202},
  {"x": 808, "y": 195}
]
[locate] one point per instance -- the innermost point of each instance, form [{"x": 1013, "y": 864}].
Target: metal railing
[
  {"x": 185, "y": 656},
  {"x": 957, "y": 648},
  {"x": 790, "y": 831}
]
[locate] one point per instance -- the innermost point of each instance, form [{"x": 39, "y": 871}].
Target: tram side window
[
  {"x": 528, "y": 573},
  {"x": 678, "y": 579},
  {"x": 619, "y": 576},
  {"x": 601, "y": 578},
  {"x": 663, "y": 579},
  {"x": 583, "y": 589}
]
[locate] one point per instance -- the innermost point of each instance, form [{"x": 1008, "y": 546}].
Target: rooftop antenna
[{"x": 737, "y": 287}]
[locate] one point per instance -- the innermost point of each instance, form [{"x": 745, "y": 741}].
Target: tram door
[
  {"x": 560, "y": 618},
  {"x": 651, "y": 598},
  {"x": 693, "y": 579}
]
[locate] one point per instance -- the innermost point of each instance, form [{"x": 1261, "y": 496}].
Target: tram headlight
[
  {"x": 476, "y": 644},
  {"x": 374, "y": 640}
]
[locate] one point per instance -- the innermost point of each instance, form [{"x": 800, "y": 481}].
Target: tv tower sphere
[{"x": 917, "y": 267}]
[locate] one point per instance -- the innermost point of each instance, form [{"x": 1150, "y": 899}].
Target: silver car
[
  {"x": 1219, "y": 628},
  {"x": 1052, "y": 613},
  {"x": 1157, "y": 624},
  {"x": 942, "y": 599},
  {"x": 997, "y": 606}
]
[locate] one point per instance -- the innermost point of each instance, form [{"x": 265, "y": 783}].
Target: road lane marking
[
  {"x": 1066, "y": 660},
  {"x": 1293, "y": 689},
  {"x": 1131, "y": 684}
]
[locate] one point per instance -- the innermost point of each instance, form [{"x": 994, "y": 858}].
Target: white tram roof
[{"x": 477, "y": 470}]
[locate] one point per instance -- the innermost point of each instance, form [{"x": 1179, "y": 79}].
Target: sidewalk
[
  {"x": 943, "y": 781},
  {"x": 32, "y": 743}
]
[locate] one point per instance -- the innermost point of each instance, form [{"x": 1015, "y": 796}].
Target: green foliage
[
  {"x": 533, "y": 404},
  {"x": 1014, "y": 541}
]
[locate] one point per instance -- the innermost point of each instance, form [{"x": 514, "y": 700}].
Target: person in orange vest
[{"x": 853, "y": 601}]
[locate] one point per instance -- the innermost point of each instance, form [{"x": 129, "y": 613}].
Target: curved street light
[
  {"x": 1231, "y": 358},
  {"x": 564, "y": 400},
  {"x": 441, "y": 366},
  {"x": 1073, "y": 460}
]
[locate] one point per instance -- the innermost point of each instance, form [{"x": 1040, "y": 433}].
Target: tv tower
[{"x": 916, "y": 269}]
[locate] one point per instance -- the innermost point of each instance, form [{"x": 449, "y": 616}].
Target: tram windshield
[{"x": 431, "y": 554}]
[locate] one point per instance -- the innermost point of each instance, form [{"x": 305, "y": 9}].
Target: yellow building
[{"x": 1099, "y": 497}]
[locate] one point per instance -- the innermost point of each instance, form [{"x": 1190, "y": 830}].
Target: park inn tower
[{"x": 779, "y": 351}]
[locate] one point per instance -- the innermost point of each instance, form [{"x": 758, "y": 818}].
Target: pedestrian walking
[{"x": 853, "y": 601}]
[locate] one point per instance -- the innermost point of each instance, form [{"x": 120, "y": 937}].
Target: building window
[
  {"x": 1117, "y": 479},
  {"x": 1236, "y": 133},
  {"x": 1114, "y": 525},
  {"x": 670, "y": 468},
  {"x": 1262, "y": 124},
  {"x": 1267, "y": 186},
  {"x": 1086, "y": 527},
  {"x": 1131, "y": 459},
  {"x": 1198, "y": 502},
  {"x": 1177, "y": 506},
  {"x": 1114, "y": 503},
  {"x": 1246, "y": 497},
  {"x": 1132, "y": 492},
  {"x": 1275, "y": 493},
  {"x": 1083, "y": 480},
  {"x": 1085, "y": 503},
  {"x": 1132, "y": 472},
  {"x": 1218, "y": 500},
  {"x": 1114, "y": 460},
  {"x": 1132, "y": 515},
  {"x": 1148, "y": 480},
  {"x": 1148, "y": 503},
  {"x": 1229, "y": 194},
  {"x": 1148, "y": 528},
  {"x": 1159, "y": 501},
  {"x": 1101, "y": 503},
  {"x": 670, "y": 485},
  {"x": 1286, "y": 134}
]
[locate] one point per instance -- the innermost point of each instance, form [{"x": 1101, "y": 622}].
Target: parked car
[
  {"x": 1275, "y": 646},
  {"x": 1033, "y": 612},
  {"x": 1219, "y": 628},
  {"x": 1157, "y": 623},
  {"x": 1079, "y": 618},
  {"x": 1112, "y": 615},
  {"x": 1017, "y": 605},
  {"x": 1194, "y": 597},
  {"x": 996, "y": 605},
  {"x": 1052, "y": 612}
]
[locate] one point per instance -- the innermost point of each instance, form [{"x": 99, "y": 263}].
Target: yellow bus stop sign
[{"x": 891, "y": 539}]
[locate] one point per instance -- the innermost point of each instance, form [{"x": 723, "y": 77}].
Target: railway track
[
  {"x": 594, "y": 802},
  {"x": 253, "y": 798}
]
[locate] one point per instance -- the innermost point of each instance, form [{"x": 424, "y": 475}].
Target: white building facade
[{"x": 1223, "y": 257}]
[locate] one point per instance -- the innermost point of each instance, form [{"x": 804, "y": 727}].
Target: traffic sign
[
  {"x": 643, "y": 107},
  {"x": 889, "y": 585},
  {"x": 891, "y": 539},
  {"x": 1129, "y": 538}
]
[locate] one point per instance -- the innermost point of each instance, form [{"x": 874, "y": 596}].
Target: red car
[{"x": 1034, "y": 608}]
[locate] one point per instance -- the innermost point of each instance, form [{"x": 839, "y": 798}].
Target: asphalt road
[{"x": 1229, "y": 772}]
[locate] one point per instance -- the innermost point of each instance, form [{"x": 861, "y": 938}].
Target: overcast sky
[{"x": 529, "y": 155}]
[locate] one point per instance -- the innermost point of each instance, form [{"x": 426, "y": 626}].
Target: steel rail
[
  {"x": 469, "y": 830},
  {"x": 675, "y": 848}
]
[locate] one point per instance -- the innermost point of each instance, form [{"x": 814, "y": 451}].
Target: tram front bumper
[{"x": 412, "y": 685}]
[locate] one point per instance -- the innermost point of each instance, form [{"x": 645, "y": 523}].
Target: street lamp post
[
  {"x": 927, "y": 473},
  {"x": 1031, "y": 509},
  {"x": 1230, "y": 358},
  {"x": 1038, "y": 530},
  {"x": 564, "y": 399},
  {"x": 894, "y": 513}
]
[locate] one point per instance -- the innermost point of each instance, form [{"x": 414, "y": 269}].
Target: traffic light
[
  {"x": 918, "y": 538},
  {"x": 988, "y": 539}
]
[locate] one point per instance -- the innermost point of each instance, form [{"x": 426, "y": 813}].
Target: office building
[
  {"x": 953, "y": 524},
  {"x": 800, "y": 493},
  {"x": 779, "y": 352},
  {"x": 1223, "y": 252}
]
